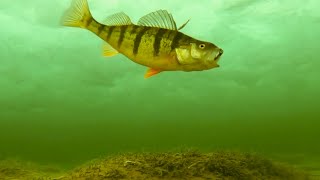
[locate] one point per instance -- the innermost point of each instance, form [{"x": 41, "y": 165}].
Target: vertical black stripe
[
  {"x": 157, "y": 41},
  {"x": 111, "y": 28},
  {"x": 122, "y": 33},
  {"x": 134, "y": 29},
  {"x": 89, "y": 21},
  {"x": 137, "y": 41},
  {"x": 175, "y": 42},
  {"x": 100, "y": 28}
]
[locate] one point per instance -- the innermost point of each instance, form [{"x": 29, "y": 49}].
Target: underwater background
[{"x": 62, "y": 102}]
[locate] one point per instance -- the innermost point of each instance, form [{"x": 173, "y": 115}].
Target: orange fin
[{"x": 151, "y": 72}]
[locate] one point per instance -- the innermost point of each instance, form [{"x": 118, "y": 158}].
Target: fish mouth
[{"x": 218, "y": 55}]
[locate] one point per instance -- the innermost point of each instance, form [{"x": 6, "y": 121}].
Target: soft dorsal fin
[
  {"x": 183, "y": 25},
  {"x": 151, "y": 72},
  {"x": 160, "y": 18},
  {"x": 118, "y": 19},
  {"x": 108, "y": 50}
]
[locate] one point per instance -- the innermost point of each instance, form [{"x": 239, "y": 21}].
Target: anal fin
[
  {"x": 108, "y": 50},
  {"x": 151, "y": 72}
]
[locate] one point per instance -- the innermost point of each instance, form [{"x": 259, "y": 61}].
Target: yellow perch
[{"x": 154, "y": 42}]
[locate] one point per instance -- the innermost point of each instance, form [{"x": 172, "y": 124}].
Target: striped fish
[{"x": 154, "y": 42}]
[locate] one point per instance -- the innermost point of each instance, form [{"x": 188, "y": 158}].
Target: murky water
[{"x": 62, "y": 103}]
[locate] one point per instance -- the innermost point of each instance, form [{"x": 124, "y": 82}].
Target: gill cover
[
  {"x": 195, "y": 53},
  {"x": 188, "y": 54}
]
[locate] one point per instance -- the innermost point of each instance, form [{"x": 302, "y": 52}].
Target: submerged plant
[{"x": 186, "y": 165}]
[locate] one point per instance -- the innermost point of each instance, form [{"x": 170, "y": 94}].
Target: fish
[{"x": 154, "y": 41}]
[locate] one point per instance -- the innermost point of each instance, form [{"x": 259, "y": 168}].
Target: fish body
[
  {"x": 149, "y": 46},
  {"x": 155, "y": 42}
]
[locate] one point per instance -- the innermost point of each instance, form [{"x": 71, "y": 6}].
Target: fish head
[{"x": 199, "y": 55}]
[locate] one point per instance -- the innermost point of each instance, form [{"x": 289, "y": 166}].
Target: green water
[{"x": 61, "y": 102}]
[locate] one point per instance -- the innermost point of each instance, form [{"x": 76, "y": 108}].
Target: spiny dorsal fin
[
  {"x": 160, "y": 18},
  {"x": 151, "y": 72},
  {"x": 118, "y": 19},
  {"x": 108, "y": 50},
  {"x": 183, "y": 25}
]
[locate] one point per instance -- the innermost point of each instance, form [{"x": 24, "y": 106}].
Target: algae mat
[{"x": 169, "y": 165}]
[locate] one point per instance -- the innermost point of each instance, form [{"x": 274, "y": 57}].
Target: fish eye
[{"x": 202, "y": 46}]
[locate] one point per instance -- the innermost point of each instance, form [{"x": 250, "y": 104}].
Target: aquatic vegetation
[
  {"x": 19, "y": 170},
  {"x": 185, "y": 165}
]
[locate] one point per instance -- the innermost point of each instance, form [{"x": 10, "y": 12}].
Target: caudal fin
[{"x": 78, "y": 14}]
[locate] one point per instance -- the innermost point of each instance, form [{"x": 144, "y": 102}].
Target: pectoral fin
[
  {"x": 188, "y": 55},
  {"x": 183, "y": 55},
  {"x": 151, "y": 72}
]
